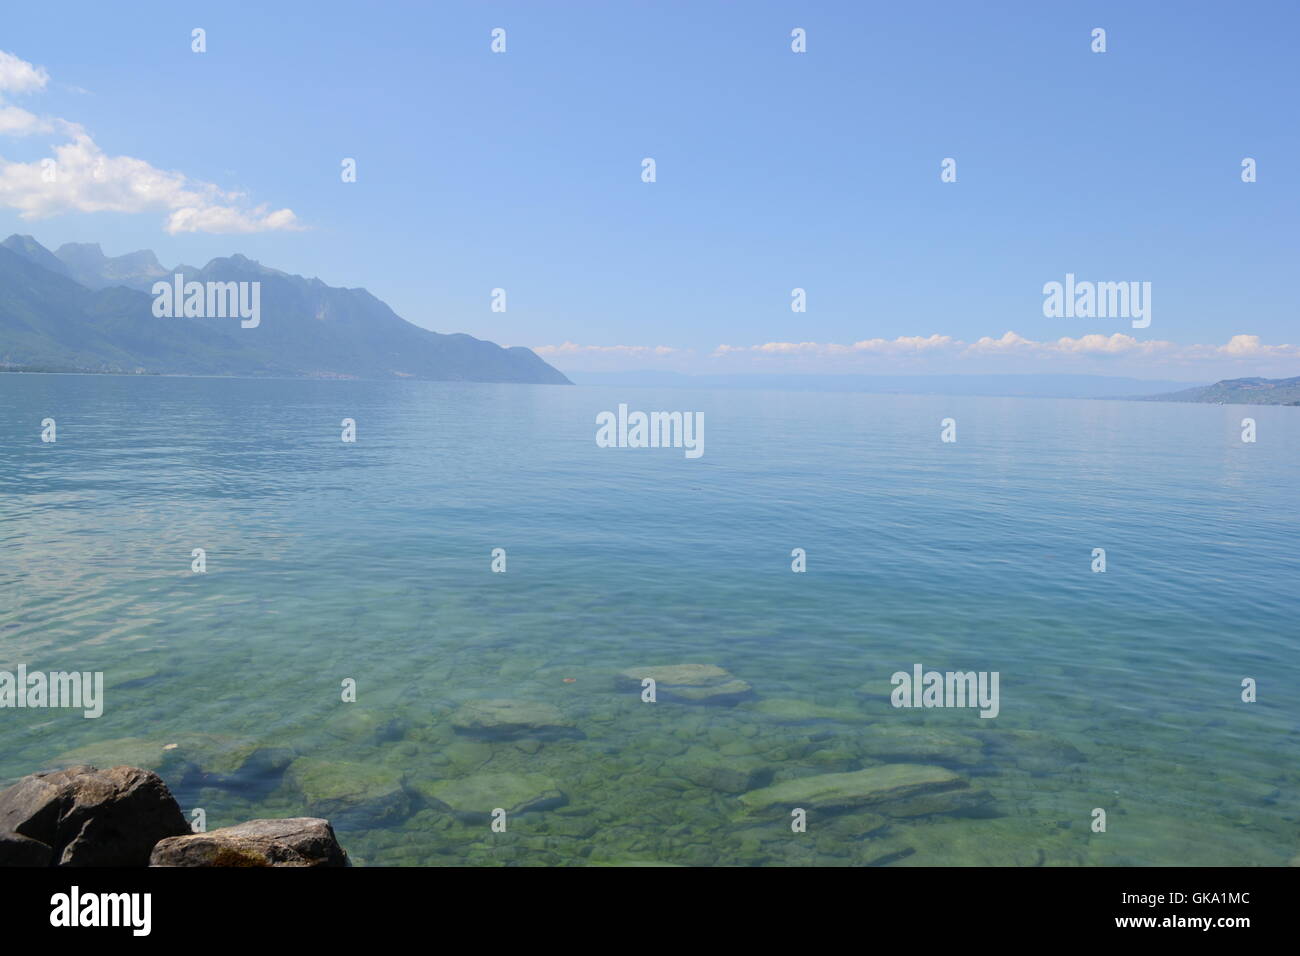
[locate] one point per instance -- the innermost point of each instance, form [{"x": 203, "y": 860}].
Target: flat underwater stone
[
  {"x": 794, "y": 710},
  {"x": 506, "y": 718},
  {"x": 875, "y": 786},
  {"x": 221, "y": 760},
  {"x": 360, "y": 795},
  {"x": 695, "y": 683},
  {"x": 474, "y": 798},
  {"x": 1034, "y": 752},
  {"x": 902, "y": 742}
]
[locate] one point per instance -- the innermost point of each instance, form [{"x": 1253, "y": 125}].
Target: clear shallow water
[{"x": 371, "y": 561}]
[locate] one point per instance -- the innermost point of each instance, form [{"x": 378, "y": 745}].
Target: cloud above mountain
[
  {"x": 80, "y": 177},
  {"x": 938, "y": 353}
]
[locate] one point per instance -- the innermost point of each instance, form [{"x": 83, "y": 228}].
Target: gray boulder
[
  {"x": 18, "y": 850},
  {"x": 297, "y": 841},
  {"x": 92, "y": 817}
]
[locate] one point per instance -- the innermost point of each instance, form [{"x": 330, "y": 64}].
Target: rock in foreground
[
  {"x": 91, "y": 817},
  {"x": 18, "y": 850},
  {"x": 297, "y": 841}
]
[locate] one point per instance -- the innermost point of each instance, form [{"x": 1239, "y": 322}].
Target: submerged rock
[
  {"x": 881, "y": 688},
  {"x": 92, "y": 817},
  {"x": 793, "y": 710},
  {"x": 124, "y": 751},
  {"x": 906, "y": 743},
  {"x": 703, "y": 767},
  {"x": 506, "y": 719},
  {"x": 696, "y": 683},
  {"x": 960, "y": 800},
  {"x": 298, "y": 841},
  {"x": 886, "y": 787},
  {"x": 1036, "y": 753},
  {"x": 355, "y": 725},
  {"x": 352, "y": 794},
  {"x": 216, "y": 760},
  {"x": 474, "y": 798}
]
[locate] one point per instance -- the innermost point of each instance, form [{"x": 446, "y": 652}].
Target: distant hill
[
  {"x": 1028, "y": 385},
  {"x": 1240, "y": 391},
  {"x": 79, "y": 310}
]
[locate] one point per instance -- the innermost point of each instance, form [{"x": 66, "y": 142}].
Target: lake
[{"x": 329, "y": 562}]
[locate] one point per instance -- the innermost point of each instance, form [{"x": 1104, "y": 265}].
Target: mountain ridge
[
  {"x": 1239, "y": 391},
  {"x": 78, "y": 310}
]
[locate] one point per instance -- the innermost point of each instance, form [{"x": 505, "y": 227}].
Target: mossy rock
[
  {"x": 693, "y": 683},
  {"x": 505, "y": 719},
  {"x": 1036, "y": 753},
  {"x": 794, "y": 710},
  {"x": 350, "y": 794},
  {"x": 702, "y": 767},
  {"x": 143, "y": 752},
  {"x": 914, "y": 744},
  {"x": 474, "y": 798},
  {"x": 359, "y": 725},
  {"x": 873, "y": 787}
]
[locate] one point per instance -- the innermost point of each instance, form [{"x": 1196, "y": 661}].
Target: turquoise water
[{"x": 371, "y": 561}]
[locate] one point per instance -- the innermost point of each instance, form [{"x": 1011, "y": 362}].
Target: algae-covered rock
[
  {"x": 1035, "y": 753},
  {"x": 961, "y": 800},
  {"x": 880, "y": 688},
  {"x": 474, "y": 798},
  {"x": 467, "y": 754},
  {"x": 1004, "y": 842},
  {"x": 358, "y": 725},
  {"x": 852, "y": 825},
  {"x": 705, "y": 768},
  {"x": 507, "y": 719},
  {"x": 793, "y": 710},
  {"x": 695, "y": 683},
  {"x": 902, "y": 742},
  {"x": 123, "y": 751},
  {"x": 360, "y": 795},
  {"x": 294, "y": 842},
  {"x": 875, "y": 786},
  {"x": 216, "y": 759}
]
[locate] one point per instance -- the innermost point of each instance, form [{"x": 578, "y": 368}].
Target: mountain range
[
  {"x": 76, "y": 309},
  {"x": 1240, "y": 391}
]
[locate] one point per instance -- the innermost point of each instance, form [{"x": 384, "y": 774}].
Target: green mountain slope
[
  {"x": 49, "y": 321},
  {"x": 1240, "y": 391}
]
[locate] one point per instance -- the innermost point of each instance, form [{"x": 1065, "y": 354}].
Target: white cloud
[
  {"x": 639, "y": 351},
  {"x": 83, "y": 178},
  {"x": 19, "y": 76},
  {"x": 1015, "y": 344},
  {"x": 1249, "y": 346},
  {"x": 943, "y": 353},
  {"x": 15, "y": 121}
]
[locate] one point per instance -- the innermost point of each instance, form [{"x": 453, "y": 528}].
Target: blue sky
[{"x": 775, "y": 170}]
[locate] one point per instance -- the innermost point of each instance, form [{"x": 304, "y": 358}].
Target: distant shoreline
[{"x": 1244, "y": 397}]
